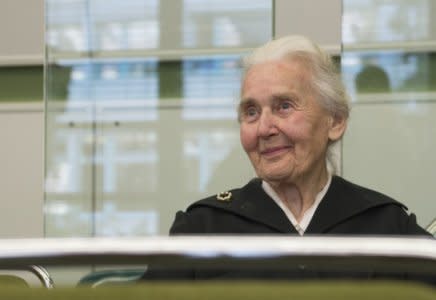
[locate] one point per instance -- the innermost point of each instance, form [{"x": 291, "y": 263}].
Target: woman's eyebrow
[
  {"x": 279, "y": 96},
  {"x": 244, "y": 102}
]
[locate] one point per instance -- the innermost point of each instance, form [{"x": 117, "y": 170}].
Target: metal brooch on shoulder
[{"x": 224, "y": 196}]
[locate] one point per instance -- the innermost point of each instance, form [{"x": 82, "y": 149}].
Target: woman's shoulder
[
  {"x": 226, "y": 199},
  {"x": 364, "y": 195},
  {"x": 353, "y": 205},
  {"x": 223, "y": 207}
]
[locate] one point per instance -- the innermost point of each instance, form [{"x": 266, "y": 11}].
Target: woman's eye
[
  {"x": 285, "y": 106},
  {"x": 250, "y": 113}
]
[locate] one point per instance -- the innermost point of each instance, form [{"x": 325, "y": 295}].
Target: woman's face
[{"x": 283, "y": 129}]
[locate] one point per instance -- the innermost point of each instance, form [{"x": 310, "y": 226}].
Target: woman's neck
[{"x": 299, "y": 196}]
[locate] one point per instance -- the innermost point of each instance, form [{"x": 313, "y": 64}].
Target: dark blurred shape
[{"x": 372, "y": 79}]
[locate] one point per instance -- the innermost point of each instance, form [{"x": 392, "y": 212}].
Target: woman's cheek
[{"x": 248, "y": 138}]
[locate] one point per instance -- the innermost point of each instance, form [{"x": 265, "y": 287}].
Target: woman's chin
[{"x": 276, "y": 176}]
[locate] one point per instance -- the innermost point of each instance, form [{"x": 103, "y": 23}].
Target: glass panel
[
  {"x": 386, "y": 21},
  {"x": 393, "y": 153},
  {"x": 102, "y": 25},
  {"x": 141, "y": 110},
  {"x": 226, "y": 23},
  {"x": 388, "y": 65},
  {"x": 94, "y": 25}
]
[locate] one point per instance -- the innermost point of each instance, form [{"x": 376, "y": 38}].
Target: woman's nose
[{"x": 267, "y": 126}]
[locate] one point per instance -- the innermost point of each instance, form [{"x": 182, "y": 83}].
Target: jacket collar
[
  {"x": 252, "y": 203},
  {"x": 342, "y": 201},
  {"x": 258, "y": 206}
]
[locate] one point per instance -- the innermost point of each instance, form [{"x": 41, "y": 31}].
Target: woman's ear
[{"x": 337, "y": 127}]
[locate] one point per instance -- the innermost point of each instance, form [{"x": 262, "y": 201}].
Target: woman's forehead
[{"x": 275, "y": 79}]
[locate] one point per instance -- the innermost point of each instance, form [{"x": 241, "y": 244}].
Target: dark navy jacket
[{"x": 346, "y": 209}]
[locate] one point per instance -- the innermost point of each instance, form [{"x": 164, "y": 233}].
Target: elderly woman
[{"x": 293, "y": 110}]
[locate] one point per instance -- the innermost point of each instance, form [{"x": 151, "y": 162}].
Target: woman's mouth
[{"x": 274, "y": 151}]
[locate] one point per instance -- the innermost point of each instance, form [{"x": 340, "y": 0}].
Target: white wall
[
  {"x": 318, "y": 20},
  {"x": 21, "y": 171},
  {"x": 22, "y": 32},
  {"x": 21, "y": 125}
]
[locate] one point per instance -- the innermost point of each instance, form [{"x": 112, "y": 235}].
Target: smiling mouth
[{"x": 273, "y": 151}]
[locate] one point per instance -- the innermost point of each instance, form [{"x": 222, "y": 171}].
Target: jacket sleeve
[
  {"x": 412, "y": 227},
  {"x": 155, "y": 272},
  {"x": 181, "y": 224}
]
